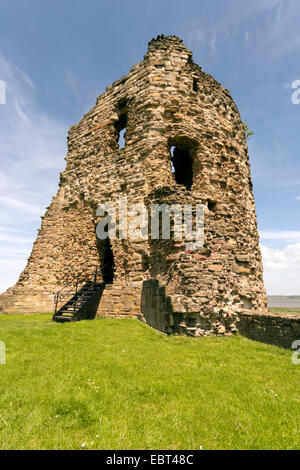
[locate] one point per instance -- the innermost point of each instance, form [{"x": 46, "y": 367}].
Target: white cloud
[
  {"x": 291, "y": 235},
  {"x": 283, "y": 259},
  {"x": 15, "y": 252},
  {"x": 281, "y": 265},
  {"x": 206, "y": 41},
  {"x": 13, "y": 267},
  {"x": 24, "y": 206},
  {"x": 282, "y": 269},
  {"x": 14, "y": 239},
  {"x": 33, "y": 146},
  {"x": 298, "y": 198},
  {"x": 8, "y": 229},
  {"x": 277, "y": 35}
]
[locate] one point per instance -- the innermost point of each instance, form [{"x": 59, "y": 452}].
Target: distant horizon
[{"x": 285, "y": 296}]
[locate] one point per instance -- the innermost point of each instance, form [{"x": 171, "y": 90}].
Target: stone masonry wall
[
  {"x": 271, "y": 328},
  {"x": 165, "y": 101}
]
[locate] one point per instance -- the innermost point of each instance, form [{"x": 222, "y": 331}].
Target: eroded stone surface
[{"x": 165, "y": 101}]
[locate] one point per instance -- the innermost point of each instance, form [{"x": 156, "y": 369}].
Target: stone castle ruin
[{"x": 185, "y": 143}]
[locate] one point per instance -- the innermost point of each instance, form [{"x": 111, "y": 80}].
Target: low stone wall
[
  {"x": 27, "y": 301},
  {"x": 119, "y": 302},
  {"x": 270, "y": 328},
  {"x": 150, "y": 304}
]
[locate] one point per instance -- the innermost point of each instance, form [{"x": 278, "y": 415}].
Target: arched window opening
[{"x": 182, "y": 166}]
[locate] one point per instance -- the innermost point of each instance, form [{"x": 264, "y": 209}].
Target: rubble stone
[{"x": 165, "y": 102}]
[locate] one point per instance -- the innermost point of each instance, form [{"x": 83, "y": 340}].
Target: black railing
[{"x": 71, "y": 289}]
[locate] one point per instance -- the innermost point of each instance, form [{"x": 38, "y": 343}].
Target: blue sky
[{"x": 57, "y": 57}]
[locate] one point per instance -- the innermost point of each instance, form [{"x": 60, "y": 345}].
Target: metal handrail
[
  {"x": 80, "y": 278},
  {"x": 72, "y": 281}
]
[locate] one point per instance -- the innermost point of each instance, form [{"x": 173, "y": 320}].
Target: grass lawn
[
  {"x": 118, "y": 384},
  {"x": 287, "y": 311}
]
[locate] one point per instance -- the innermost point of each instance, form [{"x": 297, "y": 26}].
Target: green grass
[
  {"x": 287, "y": 311},
  {"x": 118, "y": 384}
]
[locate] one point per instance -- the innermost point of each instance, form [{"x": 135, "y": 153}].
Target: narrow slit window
[
  {"x": 195, "y": 84},
  {"x": 120, "y": 126}
]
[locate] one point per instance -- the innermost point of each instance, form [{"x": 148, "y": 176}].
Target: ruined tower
[{"x": 185, "y": 142}]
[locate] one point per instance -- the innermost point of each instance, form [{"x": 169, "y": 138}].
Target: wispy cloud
[
  {"x": 15, "y": 247},
  {"x": 282, "y": 269},
  {"x": 24, "y": 206},
  {"x": 280, "y": 235},
  {"x": 14, "y": 239},
  {"x": 281, "y": 265},
  {"x": 22, "y": 253},
  {"x": 13, "y": 266},
  {"x": 205, "y": 40},
  {"x": 8, "y": 229},
  {"x": 76, "y": 88},
  {"x": 33, "y": 146},
  {"x": 204, "y": 33},
  {"x": 282, "y": 259}
]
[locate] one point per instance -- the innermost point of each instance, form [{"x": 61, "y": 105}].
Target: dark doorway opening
[
  {"x": 107, "y": 261},
  {"x": 182, "y": 166}
]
